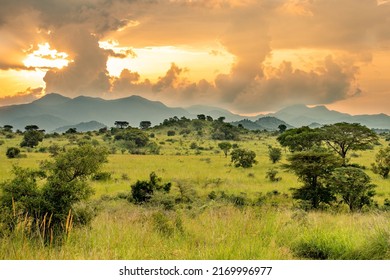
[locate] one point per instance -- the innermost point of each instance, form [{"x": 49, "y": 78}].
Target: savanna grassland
[{"x": 213, "y": 210}]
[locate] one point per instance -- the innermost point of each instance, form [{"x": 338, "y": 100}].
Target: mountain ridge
[{"x": 55, "y": 110}]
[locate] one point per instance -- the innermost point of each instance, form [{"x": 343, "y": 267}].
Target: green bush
[
  {"x": 12, "y": 152},
  {"x": 142, "y": 191},
  {"x": 243, "y": 158}
]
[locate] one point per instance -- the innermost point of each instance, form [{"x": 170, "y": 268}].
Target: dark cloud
[
  {"x": 330, "y": 82},
  {"x": 249, "y": 30},
  {"x": 29, "y": 95},
  {"x": 87, "y": 74}
]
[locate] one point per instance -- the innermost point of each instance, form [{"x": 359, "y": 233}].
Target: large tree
[
  {"x": 312, "y": 168},
  {"x": 300, "y": 139},
  {"x": 353, "y": 185},
  {"x": 344, "y": 137}
]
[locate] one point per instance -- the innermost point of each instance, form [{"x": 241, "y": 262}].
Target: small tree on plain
[
  {"x": 31, "y": 138},
  {"x": 145, "y": 124},
  {"x": 382, "y": 163},
  {"x": 225, "y": 147},
  {"x": 345, "y": 137},
  {"x": 121, "y": 124},
  {"x": 243, "y": 158},
  {"x": 275, "y": 154}
]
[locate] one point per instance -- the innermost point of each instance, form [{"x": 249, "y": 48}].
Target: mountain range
[{"x": 54, "y": 111}]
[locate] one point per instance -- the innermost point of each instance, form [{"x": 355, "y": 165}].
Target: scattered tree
[
  {"x": 31, "y": 138},
  {"x": 353, "y": 185},
  {"x": 145, "y": 124},
  {"x": 282, "y": 128},
  {"x": 300, "y": 139},
  {"x": 345, "y": 137},
  {"x": 382, "y": 163},
  {"x": 121, "y": 124},
  {"x": 225, "y": 147},
  {"x": 209, "y": 118},
  {"x": 275, "y": 154},
  {"x": 201, "y": 117},
  {"x": 8, "y": 128},
  {"x": 31, "y": 127},
  {"x": 71, "y": 130},
  {"x": 312, "y": 168},
  {"x": 243, "y": 158}
]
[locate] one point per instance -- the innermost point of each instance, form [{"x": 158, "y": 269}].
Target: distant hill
[
  {"x": 263, "y": 123},
  {"x": 62, "y": 111},
  {"x": 82, "y": 127},
  {"x": 214, "y": 112},
  {"x": 301, "y": 115},
  {"x": 56, "y": 111}
]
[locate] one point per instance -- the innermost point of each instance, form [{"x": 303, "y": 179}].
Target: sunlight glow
[
  {"x": 45, "y": 57},
  {"x": 154, "y": 61}
]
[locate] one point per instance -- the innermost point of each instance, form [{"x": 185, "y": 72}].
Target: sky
[{"x": 248, "y": 56}]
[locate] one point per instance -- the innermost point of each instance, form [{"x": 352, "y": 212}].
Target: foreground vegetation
[{"x": 211, "y": 209}]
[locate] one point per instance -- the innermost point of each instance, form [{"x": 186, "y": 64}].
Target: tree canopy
[{"x": 344, "y": 137}]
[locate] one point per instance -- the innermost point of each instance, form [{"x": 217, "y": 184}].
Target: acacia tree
[
  {"x": 353, "y": 185},
  {"x": 312, "y": 168},
  {"x": 225, "y": 147},
  {"x": 121, "y": 124},
  {"x": 300, "y": 139},
  {"x": 382, "y": 163},
  {"x": 145, "y": 124},
  {"x": 344, "y": 137}
]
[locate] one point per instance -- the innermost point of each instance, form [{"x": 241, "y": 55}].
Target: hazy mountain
[
  {"x": 300, "y": 115},
  {"x": 82, "y": 127},
  {"x": 47, "y": 122},
  {"x": 214, "y": 112},
  {"x": 267, "y": 123},
  {"x": 67, "y": 111},
  {"x": 54, "y": 110}
]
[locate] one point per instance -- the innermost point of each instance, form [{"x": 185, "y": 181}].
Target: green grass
[{"x": 207, "y": 229}]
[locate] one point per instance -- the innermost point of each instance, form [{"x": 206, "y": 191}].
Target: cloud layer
[{"x": 347, "y": 31}]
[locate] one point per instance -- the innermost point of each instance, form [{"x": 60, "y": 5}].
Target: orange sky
[{"x": 247, "y": 56}]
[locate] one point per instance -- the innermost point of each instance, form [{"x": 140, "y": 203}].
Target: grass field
[{"x": 266, "y": 224}]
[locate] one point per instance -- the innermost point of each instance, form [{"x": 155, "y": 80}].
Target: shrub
[
  {"x": 53, "y": 208},
  {"x": 382, "y": 163},
  {"x": 275, "y": 154},
  {"x": 171, "y": 133},
  {"x": 271, "y": 175},
  {"x": 102, "y": 176},
  {"x": 142, "y": 191},
  {"x": 12, "y": 152}
]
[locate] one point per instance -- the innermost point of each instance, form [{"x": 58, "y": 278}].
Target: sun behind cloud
[{"x": 45, "y": 57}]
